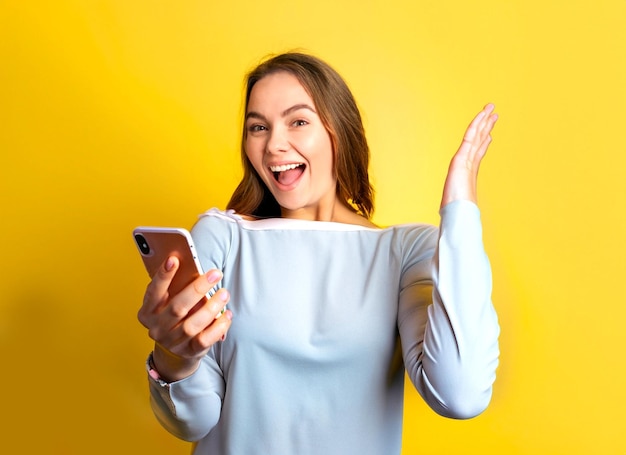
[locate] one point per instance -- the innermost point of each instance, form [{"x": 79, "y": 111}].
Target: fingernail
[
  {"x": 224, "y": 295},
  {"x": 214, "y": 276},
  {"x": 224, "y": 311},
  {"x": 169, "y": 264}
]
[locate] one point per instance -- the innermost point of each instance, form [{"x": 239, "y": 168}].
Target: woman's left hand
[{"x": 462, "y": 177}]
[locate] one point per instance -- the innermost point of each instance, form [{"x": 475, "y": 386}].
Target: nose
[{"x": 277, "y": 141}]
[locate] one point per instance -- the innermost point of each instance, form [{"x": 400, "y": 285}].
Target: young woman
[{"x": 326, "y": 311}]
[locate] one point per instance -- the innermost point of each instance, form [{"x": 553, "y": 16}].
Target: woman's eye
[
  {"x": 300, "y": 123},
  {"x": 256, "y": 128}
]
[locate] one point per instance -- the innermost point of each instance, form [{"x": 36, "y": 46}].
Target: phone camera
[{"x": 142, "y": 243}]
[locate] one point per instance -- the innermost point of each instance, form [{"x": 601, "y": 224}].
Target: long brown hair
[{"x": 341, "y": 118}]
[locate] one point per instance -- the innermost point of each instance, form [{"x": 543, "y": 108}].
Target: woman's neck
[{"x": 338, "y": 212}]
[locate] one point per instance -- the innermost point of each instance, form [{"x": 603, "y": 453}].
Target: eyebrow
[{"x": 286, "y": 112}]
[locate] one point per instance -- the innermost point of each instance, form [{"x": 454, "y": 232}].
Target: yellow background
[{"x": 120, "y": 113}]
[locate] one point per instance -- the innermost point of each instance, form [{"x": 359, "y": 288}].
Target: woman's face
[{"x": 289, "y": 147}]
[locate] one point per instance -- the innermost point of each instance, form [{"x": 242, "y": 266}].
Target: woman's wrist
[{"x": 168, "y": 367}]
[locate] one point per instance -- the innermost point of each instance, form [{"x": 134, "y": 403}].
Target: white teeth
[{"x": 284, "y": 167}]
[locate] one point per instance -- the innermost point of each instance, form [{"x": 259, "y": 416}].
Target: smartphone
[{"x": 156, "y": 244}]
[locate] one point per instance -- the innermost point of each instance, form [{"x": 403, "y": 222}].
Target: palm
[{"x": 462, "y": 177}]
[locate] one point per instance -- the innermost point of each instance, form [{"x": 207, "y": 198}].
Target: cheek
[
  {"x": 256, "y": 161},
  {"x": 253, "y": 154},
  {"x": 330, "y": 156},
  {"x": 319, "y": 144}
]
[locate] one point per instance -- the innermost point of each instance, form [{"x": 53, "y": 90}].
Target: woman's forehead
[{"x": 279, "y": 89}]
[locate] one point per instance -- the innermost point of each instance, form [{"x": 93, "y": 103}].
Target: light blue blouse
[{"x": 326, "y": 317}]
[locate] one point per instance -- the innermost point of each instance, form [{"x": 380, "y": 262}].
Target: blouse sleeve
[
  {"x": 191, "y": 407},
  {"x": 448, "y": 325}
]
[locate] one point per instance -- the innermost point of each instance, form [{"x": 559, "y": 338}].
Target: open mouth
[{"x": 287, "y": 174}]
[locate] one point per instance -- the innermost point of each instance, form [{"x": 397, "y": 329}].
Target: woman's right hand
[{"x": 186, "y": 325}]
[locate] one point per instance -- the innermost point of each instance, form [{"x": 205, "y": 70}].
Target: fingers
[
  {"x": 461, "y": 180},
  {"x": 487, "y": 123},
  {"x": 156, "y": 293},
  {"x": 188, "y": 315},
  {"x": 482, "y": 125},
  {"x": 213, "y": 333},
  {"x": 477, "y": 137},
  {"x": 200, "y": 329},
  {"x": 204, "y": 314},
  {"x": 485, "y": 129},
  {"x": 193, "y": 298},
  {"x": 179, "y": 361}
]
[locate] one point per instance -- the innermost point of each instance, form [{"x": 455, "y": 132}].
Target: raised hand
[{"x": 462, "y": 178}]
